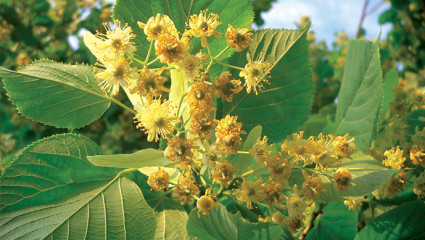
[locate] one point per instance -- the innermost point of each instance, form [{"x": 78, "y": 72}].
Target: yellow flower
[
  {"x": 191, "y": 66},
  {"x": 114, "y": 73},
  {"x": 225, "y": 87},
  {"x": 200, "y": 99},
  {"x": 223, "y": 172},
  {"x": 157, "y": 26},
  {"x": 250, "y": 192},
  {"x": 419, "y": 185},
  {"x": 228, "y": 134},
  {"x": 279, "y": 168},
  {"x": 343, "y": 147},
  {"x": 392, "y": 187},
  {"x": 321, "y": 153},
  {"x": 394, "y": 158},
  {"x": 417, "y": 155},
  {"x": 149, "y": 83},
  {"x": 180, "y": 151},
  {"x": 157, "y": 119},
  {"x": 255, "y": 73},
  {"x": 313, "y": 186},
  {"x": 297, "y": 147},
  {"x": 202, "y": 125},
  {"x": 343, "y": 179},
  {"x": 238, "y": 38},
  {"x": 273, "y": 191},
  {"x": 353, "y": 204},
  {"x": 170, "y": 49},
  {"x": 158, "y": 180},
  {"x": 202, "y": 26},
  {"x": 295, "y": 203},
  {"x": 185, "y": 190},
  {"x": 259, "y": 150},
  {"x": 117, "y": 38},
  {"x": 206, "y": 204}
]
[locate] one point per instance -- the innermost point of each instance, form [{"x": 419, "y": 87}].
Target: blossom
[
  {"x": 273, "y": 191},
  {"x": 185, "y": 190},
  {"x": 150, "y": 83},
  {"x": 419, "y": 185},
  {"x": 205, "y": 204},
  {"x": 157, "y": 26},
  {"x": 202, "y": 26},
  {"x": 200, "y": 99},
  {"x": 250, "y": 192},
  {"x": 180, "y": 151},
  {"x": 170, "y": 49},
  {"x": 343, "y": 147},
  {"x": 225, "y": 87},
  {"x": 238, "y": 38},
  {"x": 394, "y": 158},
  {"x": 191, "y": 66},
  {"x": 157, "y": 119},
  {"x": 202, "y": 125},
  {"x": 158, "y": 180},
  {"x": 228, "y": 133},
  {"x": 343, "y": 179},
  {"x": 223, "y": 172},
  {"x": 417, "y": 155},
  {"x": 114, "y": 73},
  {"x": 313, "y": 186},
  {"x": 117, "y": 38},
  {"x": 255, "y": 73},
  {"x": 259, "y": 150}
]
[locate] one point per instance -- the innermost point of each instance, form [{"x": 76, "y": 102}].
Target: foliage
[{"x": 225, "y": 104}]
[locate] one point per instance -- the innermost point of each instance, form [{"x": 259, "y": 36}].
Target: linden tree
[{"x": 225, "y": 105}]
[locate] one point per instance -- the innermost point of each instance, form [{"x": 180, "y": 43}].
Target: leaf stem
[
  {"x": 151, "y": 62},
  {"x": 149, "y": 52},
  {"x": 122, "y": 105},
  {"x": 228, "y": 65},
  {"x": 223, "y": 51}
]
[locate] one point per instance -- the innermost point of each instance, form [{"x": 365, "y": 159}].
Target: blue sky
[{"x": 327, "y": 17}]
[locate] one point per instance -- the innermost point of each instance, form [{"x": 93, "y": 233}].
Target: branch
[
  {"x": 310, "y": 225},
  {"x": 362, "y": 17}
]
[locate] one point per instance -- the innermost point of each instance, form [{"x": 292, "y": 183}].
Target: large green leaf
[
  {"x": 170, "y": 215},
  {"x": 179, "y": 11},
  {"x": 284, "y": 105},
  {"x": 56, "y": 94},
  {"x": 404, "y": 222},
  {"x": 143, "y": 158},
  {"x": 52, "y": 191},
  {"x": 360, "y": 96},
  {"x": 336, "y": 222},
  {"x": 113, "y": 210},
  {"x": 391, "y": 80},
  {"x": 218, "y": 224},
  {"x": 367, "y": 173}
]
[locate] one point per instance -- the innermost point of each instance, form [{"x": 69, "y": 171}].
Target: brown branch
[
  {"x": 310, "y": 225},
  {"x": 362, "y": 17}
]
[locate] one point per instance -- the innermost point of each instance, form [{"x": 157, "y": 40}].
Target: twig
[
  {"x": 362, "y": 17},
  {"x": 310, "y": 226}
]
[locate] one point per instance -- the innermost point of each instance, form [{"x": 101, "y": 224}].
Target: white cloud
[{"x": 327, "y": 16}]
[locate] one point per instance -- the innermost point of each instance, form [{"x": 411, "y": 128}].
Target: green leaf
[
  {"x": 391, "y": 80},
  {"x": 56, "y": 94},
  {"x": 367, "y": 173},
  {"x": 144, "y": 158},
  {"x": 170, "y": 215},
  {"x": 360, "y": 96},
  {"x": 218, "y": 224},
  {"x": 171, "y": 218},
  {"x": 284, "y": 105},
  {"x": 179, "y": 11},
  {"x": 243, "y": 161},
  {"x": 226, "y": 10},
  {"x": 403, "y": 222},
  {"x": 54, "y": 192},
  {"x": 336, "y": 222}
]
